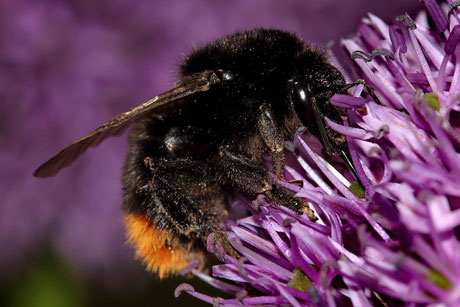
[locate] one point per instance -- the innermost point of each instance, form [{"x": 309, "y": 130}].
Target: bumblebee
[{"x": 238, "y": 98}]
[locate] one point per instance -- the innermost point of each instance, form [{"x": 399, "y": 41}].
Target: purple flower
[{"x": 396, "y": 244}]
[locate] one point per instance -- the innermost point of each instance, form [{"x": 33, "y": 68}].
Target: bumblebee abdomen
[{"x": 160, "y": 250}]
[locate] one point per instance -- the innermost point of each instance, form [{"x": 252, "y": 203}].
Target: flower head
[{"x": 397, "y": 243}]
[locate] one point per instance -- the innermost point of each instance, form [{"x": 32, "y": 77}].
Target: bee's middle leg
[{"x": 237, "y": 170}]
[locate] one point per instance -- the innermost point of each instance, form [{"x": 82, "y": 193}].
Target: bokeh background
[{"x": 65, "y": 68}]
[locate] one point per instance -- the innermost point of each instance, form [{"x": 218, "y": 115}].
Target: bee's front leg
[
  {"x": 270, "y": 133},
  {"x": 239, "y": 171}
]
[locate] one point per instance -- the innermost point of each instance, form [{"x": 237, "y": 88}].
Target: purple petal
[
  {"x": 422, "y": 61},
  {"x": 397, "y": 39},
  {"x": 218, "y": 284},
  {"x": 357, "y": 133},
  {"x": 369, "y": 36},
  {"x": 439, "y": 18},
  {"x": 452, "y": 41},
  {"x": 346, "y": 101}
]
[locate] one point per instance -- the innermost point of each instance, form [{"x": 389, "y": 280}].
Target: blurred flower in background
[{"x": 68, "y": 66}]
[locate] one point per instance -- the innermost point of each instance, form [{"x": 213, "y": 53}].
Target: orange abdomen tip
[{"x": 159, "y": 249}]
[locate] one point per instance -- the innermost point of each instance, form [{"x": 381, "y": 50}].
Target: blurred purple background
[{"x": 66, "y": 67}]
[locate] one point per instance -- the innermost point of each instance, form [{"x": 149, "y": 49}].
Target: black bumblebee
[{"x": 238, "y": 98}]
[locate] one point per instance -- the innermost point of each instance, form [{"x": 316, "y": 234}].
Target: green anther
[
  {"x": 357, "y": 189},
  {"x": 438, "y": 279},
  {"x": 432, "y": 100},
  {"x": 299, "y": 280}
]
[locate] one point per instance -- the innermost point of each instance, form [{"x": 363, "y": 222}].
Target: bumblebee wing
[{"x": 199, "y": 82}]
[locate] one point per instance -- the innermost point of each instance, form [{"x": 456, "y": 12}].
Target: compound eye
[{"x": 302, "y": 103}]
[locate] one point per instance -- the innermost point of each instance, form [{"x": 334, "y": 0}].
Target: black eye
[{"x": 302, "y": 102}]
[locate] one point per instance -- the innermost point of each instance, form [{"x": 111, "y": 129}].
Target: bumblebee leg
[
  {"x": 179, "y": 195},
  {"x": 241, "y": 172},
  {"x": 284, "y": 197},
  {"x": 271, "y": 135},
  {"x": 193, "y": 213},
  {"x": 191, "y": 216},
  {"x": 237, "y": 170}
]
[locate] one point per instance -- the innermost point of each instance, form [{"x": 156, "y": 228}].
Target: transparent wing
[{"x": 199, "y": 82}]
